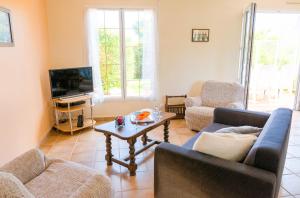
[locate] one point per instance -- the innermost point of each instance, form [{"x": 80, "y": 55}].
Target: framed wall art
[{"x": 200, "y": 35}]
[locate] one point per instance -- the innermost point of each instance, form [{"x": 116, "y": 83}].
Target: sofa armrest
[
  {"x": 236, "y": 105},
  {"x": 96, "y": 186},
  {"x": 193, "y": 101},
  {"x": 179, "y": 172},
  {"x": 27, "y": 166},
  {"x": 237, "y": 117}
]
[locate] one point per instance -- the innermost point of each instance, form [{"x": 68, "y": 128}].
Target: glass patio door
[{"x": 246, "y": 48}]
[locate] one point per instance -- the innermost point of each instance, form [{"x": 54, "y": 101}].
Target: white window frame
[{"x": 123, "y": 96}]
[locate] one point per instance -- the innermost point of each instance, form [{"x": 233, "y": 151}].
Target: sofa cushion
[
  {"x": 199, "y": 117},
  {"x": 241, "y": 130},
  {"x": 270, "y": 148},
  {"x": 211, "y": 128},
  {"x": 10, "y": 186},
  {"x": 229, "y": 146},
  {"x": 220, "y": 94},
  {"x": 64, "y": 178},
  {"x": 27, "y": 166}
]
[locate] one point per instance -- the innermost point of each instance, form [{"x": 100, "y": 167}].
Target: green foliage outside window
[{"x": 110, "y": 59}]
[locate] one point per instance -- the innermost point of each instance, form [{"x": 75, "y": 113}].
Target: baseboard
[{"x": 45, "y": 137}]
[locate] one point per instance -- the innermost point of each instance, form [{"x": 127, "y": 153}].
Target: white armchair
[
  {"x": 34, "y": 175},
  {"x": 199, "y": 109}
]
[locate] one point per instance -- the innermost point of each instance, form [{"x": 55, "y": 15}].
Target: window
[{"x": 125, "y": 45}]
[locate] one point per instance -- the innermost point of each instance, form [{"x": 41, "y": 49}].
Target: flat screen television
[{"x": 71, "y": 82}]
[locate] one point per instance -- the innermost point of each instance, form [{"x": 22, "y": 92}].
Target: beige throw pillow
[
  {"x": 10, "y": 186},
  {"x": 229, "y": 146},
  {"x": 241, "y": 130}
]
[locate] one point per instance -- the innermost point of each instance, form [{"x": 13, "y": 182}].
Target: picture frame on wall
[
  {"x": 200, "y": 35},
  {"x": 6, "y": 36}
]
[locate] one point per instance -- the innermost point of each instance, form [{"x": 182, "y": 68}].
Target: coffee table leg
[
  {"x": 108, "y": 155},
  {"x": 144, "y": 139},
  {"x": 166, "y": 130},
  {"x": 132, "y": 165}
]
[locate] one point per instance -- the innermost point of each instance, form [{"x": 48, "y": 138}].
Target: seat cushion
[
  {"x": 199, "y": 117},
  {"x": 241, "y": 130},
  {"x": 10, "y": 186},
  {"x": 61, "y": 179},
  {"x": 211, "y": 128}
]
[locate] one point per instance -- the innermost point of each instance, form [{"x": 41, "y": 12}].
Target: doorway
[{"x": 275, "y": 61}]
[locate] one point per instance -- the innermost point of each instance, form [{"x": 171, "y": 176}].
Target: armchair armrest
[
  {"x": 237, "y": 117},
  {"x": 193, "y": 101},
  {"x": 179, "y": 172},
  {"x": 27, "y": 166}
]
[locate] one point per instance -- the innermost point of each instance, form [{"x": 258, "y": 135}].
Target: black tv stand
[{"x": 72, "y": 104}]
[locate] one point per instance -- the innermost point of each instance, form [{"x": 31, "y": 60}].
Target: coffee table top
[{"x": 130, "y": 129}]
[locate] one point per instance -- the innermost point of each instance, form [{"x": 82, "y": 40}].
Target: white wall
[
  {"x": 25, "y": 105},
  {"x": 182, "y": 64}
]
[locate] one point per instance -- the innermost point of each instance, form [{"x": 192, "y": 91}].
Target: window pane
[
  {"x": 139, "y": 53},
  {"x": 109, "y": 41},
  {"x": 99, "y": 18},
  {"x": 134, "y": 58},
  {"x": 132, "y": 37},
  {"x": 133, "y": 87},
  {"x": 112, "y": 19},
  {"x": 131, "y": 19},
  {"x": 138, "y": 57},
  {"x": 110, "y": 46},
  {"x": 111, "y": 79}
]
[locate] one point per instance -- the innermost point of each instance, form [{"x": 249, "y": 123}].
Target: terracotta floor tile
[
  {"x": 283, "y": 193},
  {"x": 291, "y": 183},
  {"x": 293, "y": 165},
  {"x": 295, "y": 140},
  {"x": 142, "y": 180},
  {"x": 84, "y": 147},
  {"x": 100, "y": 155},
  {"x": 83, "y": 157},
  {"x": 49, "y": 140},
  {"x": 45, "y": 148},
  {"x": 294, "y": 150},
  {"x": 288, "y": 155},
  {"x": 116, "y": 182},
  {"x": 286, "y": 171},
  {"x": 147, "y": 193},
  {"x": 102, "y": 168},
  {"x": 62, "y": 148},
  {"x": 141, "y": 165}
]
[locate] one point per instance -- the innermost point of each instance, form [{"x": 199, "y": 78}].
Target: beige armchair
[
  {"x": 199, "y": 109},
  {"x": 33, "y": 175}
]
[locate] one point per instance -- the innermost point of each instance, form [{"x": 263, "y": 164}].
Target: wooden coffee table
[{"x": 130, "y": 132}]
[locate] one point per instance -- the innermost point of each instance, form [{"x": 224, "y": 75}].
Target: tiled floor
[{"x": 88, "y": 148}]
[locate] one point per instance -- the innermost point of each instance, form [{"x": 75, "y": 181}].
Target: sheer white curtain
[
  {"x": 94, "y": 53},
  {"x": 149, "y": 51}
]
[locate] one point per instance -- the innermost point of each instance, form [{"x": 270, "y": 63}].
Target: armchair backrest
[
  {"x": 27, "y": 166},
  {"x": 220, "y": 94}
]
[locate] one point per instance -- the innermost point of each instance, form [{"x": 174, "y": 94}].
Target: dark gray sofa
[{"x": 182, "y": 172}]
